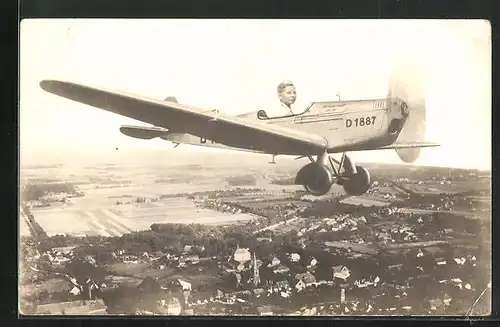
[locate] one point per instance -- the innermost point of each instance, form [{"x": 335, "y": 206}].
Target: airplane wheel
[
  {"x": 358, "y": 183},
  {"x": 317, "y": 179}
]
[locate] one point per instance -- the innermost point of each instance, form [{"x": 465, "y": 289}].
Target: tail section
[
  {"x": 142, "y": 132},
  {"x": 171, "y": 99}
]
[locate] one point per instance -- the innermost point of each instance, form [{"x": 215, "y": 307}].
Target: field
[
  {"x": 116, "y": 220},
  {"x": 83, "y": 222},
  {"x": 111, "y": 203},
  {"x": 365, "y": 200},
  {"x": 111, "y": 207}
]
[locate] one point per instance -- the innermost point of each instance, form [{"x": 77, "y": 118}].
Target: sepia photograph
[{"x": 255, "y": 167}]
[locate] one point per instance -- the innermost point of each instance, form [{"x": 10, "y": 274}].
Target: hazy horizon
[
  {"x": 161, "y": 157},
  {"x": 239, "y": 72}
]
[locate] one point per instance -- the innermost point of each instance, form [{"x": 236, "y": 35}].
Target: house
[
  {"x": 60, "y": 260},
  {"x": 66, "y": 250},
  {"x": 193, "y": 259},
  {"x": 281, "y": 269},
  {"x": 91, "y": 260},
  {"x": 341, "y": 272},
  {"x": 313, "y": 263},
  {"x": 185, "y": 285},
  {"x": 365, "y": 283},
  {"x": 174, "y": 307},
  {"x": 307, "y": 277},
  {"x": 285, "y": 294},
  {"x": 187, "y": 248},
  {"x": 441, "y": 261},
  {"x": 265, "y": 310},
  {"x": 397, "y": 266},
  {"x": 242, "y": 255},
  {"x": 258, "y": 291},
  {"x": 75, "y": 291},
  {"x": 300, "y": 285},
  {"x": 294, "y": 257},
  {"x": 219, "y": 294},
  {"x": 130, "y": 259},
  {"x": 274, "y": 262},
  {"x": 282, "y": 284}
]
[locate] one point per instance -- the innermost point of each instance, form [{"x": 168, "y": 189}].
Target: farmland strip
[
  {"x": 115, "y": 218},
  {"x": 92, "y": 222},
  {"x": 103, "y": 221}
]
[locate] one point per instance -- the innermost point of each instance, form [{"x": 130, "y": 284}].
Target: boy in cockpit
[{"x": 287, "y": 95}]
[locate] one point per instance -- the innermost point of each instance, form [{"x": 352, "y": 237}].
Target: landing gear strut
[{"x": 318, "y": 176}]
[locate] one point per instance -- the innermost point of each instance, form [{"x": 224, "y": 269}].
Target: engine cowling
[{"x": 316, "y": 178}]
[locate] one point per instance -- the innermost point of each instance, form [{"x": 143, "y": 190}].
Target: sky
[{"x": 235, "y": 66}]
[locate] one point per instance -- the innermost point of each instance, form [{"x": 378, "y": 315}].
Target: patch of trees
[
  {"x": 216, "y": 240},
  {"x": 241, "y": 180},
  {"x": 59, "y": 240},
  {"x": 208, "y": 241},
  {"x": 177, "y": 195},
  {"x": 83, "y": 270},
  {"x": 102, "y": 254},
  {"x": 284, "y": 181},
  {"x": 329, "y": 208},
  {"x": 234, "y": 193},
  {"x": 34, "y": 191},
  {"x": 127, "y": 300}
]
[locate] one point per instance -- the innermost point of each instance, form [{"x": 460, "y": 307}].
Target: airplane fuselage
[{"x": 343, "y": 124}]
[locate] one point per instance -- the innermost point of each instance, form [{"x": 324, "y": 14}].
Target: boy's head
[{"x": 287, "y": 93}]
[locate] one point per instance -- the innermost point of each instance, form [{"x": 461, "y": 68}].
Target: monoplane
[{"x": 397, "y": 122}]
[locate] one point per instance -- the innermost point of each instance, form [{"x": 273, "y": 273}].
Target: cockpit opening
[{"x": 262, "y": 115}]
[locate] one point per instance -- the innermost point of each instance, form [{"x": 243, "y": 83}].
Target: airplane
[{"x": 397, "y": 122}]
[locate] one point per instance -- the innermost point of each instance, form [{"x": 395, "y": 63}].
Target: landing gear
[
  {"x": 318, "y": 176},
  {"x": 358, "y": 183}
]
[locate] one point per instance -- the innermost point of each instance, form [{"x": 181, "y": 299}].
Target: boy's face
[{"x": 288, "y": 95}]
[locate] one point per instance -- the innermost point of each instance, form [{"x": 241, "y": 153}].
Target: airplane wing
[{"x": 220, "y": 128}]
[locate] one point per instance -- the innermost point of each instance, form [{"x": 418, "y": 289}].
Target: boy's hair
[{"x": 283, "y": 85}]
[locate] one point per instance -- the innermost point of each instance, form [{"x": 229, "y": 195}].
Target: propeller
[{"x": 406, "y": 82}]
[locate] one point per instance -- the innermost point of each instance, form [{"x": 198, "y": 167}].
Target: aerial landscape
[
  {"x": 213, "y": 238},
  {"x": 245, "y": 182}
]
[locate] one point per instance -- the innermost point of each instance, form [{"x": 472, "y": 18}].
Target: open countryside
[{"x": 235, "y": 237}]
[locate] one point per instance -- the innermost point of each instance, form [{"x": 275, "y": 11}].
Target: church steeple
[{"x": 256, "y": 277}]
